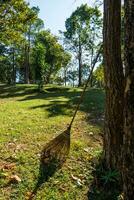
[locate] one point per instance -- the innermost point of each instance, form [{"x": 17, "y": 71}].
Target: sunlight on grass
[{"x": 28, "y": 121}]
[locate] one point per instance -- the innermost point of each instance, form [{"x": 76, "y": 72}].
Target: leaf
[
  {"x": 15, "y": 179},
  {"x": 74, "y": 177},
  {"x": 78, "y": 181},
  {"x": 9, "y": 166},
  {"x": 91, "y": 133},
  {"x": 29, "y": 195}
]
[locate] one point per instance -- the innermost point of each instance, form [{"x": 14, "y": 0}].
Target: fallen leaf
[
  {"x": 63, "y": 189},
  {"x": 86, "y": 150},
  {"x": 29, "y": 195},
  {"x": 9, "y": 166},
  {"x": 79, "y": 183},
  {"x": 15, "y": 179},
  {"x": 11, "y": 145},
  {"x": 90, "y": 133},
  {"x": 74, "y": 177}
]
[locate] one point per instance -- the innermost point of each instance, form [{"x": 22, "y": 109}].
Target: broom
[
  {"x": 58, "y": 148},
  {"x": 56, "y": 151}
]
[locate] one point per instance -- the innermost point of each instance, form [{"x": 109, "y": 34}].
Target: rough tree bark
[
  {"x": 128, "y": 158},
  {"x": 114, "y": 78}
]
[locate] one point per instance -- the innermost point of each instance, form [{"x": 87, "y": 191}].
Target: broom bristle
[{"x": 57, "y": 149}]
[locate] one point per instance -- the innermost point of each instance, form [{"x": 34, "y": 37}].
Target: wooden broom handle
[{"x": 85, "y": 87}]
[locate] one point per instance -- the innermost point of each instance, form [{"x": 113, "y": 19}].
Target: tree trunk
[
  {"x": 13, "y": 68},
  {"x": 128, "y": 156},
  {"x": 26, "y": 63},
  {"x": 114, "y": 79},
  {"x": 73, "y": 82},
  {"x": 65, "y": 76},
  {"x": 49, "y": 74},
  {"x": 80, "y": 63},
  {"x": 91, "y": 82},
  {"x": 27, "y": 57}
]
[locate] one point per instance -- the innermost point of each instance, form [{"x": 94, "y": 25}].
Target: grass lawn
[{"x": 29, "y": 120}]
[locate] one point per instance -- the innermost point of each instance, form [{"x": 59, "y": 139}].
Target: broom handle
[{"x": 83, "y": 92}]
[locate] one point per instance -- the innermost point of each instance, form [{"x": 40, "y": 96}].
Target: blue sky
[{"x": 55, "y": 12}]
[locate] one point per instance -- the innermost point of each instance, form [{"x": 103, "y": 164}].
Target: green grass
[{"x": 28, "y": 120}]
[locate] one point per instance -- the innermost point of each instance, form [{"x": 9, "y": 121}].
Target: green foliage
[
  {"x": 14, "y": 16},
  {"x": 106, "y": 183},
  {"x": 81, "y": 21},
  {"x": 39, "y": 52},
  {"x": 110, "y": 176},
  {"x": 72, "y": 76},
  {"x": 98, "y": 76},
  {"x": 17, "y": 20},
  {"x": 83, "y": 35},
  {"x": 52, "y": 56}
]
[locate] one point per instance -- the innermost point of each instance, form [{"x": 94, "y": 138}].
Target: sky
[{"x": 55, "y": 12}]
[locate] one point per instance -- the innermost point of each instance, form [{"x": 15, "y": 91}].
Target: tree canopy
[{"x": 83, "y": 35}]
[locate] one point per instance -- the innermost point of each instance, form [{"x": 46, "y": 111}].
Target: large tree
[
  {"x": 54, "y": 56},
  {"x": 83, "y": 30},
  {"x": 14, "y": 18},
  {"x": 128, "y": 156},
  {"x": 34, "y": 25},
  {"x": 114, "y": 84}
]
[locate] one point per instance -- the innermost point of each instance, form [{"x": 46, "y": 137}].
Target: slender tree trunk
[
  {"x": 80, "y": 69},
  {"x": 26, "y": 75},
  {"x": 128, "y": 170},
  {"x": 65, "y": 77},
  {"x": 91, "y": 82},
  {"x": 28, "y": 66},
  {"x": 73, "y": 82},
  {"x": 49, "y": 74},
  {"x": 113, "y": 70},
  {"x": 80, "y": 64},
  {"x": 13, "y": 68},
  {"x": 27, "y": 57}
]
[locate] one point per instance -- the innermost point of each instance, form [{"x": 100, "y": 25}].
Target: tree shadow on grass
[
  {"x": 7, "y": 91},
  {"x": 45, "y": 172},
  {"x": 93, "y": 105},
  {"x": 55, "y": 109},
  {"x": 106, "y": 183},
  {"x": 93, "y": 102}
]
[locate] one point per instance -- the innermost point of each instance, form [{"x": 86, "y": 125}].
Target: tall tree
[
  {"x": 13, "y": 18},
  {"x": 114, "y": 83},
  {"x": 66, "y": 62},
  {"x": 128, "y": 158},
  {"x": 30, "y": 23},
  {"x": 55, "y": 56},
  {"x": 81, "y": 36}
]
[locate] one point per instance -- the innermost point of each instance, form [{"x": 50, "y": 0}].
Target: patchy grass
[{"x": 28, "y": 121}]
